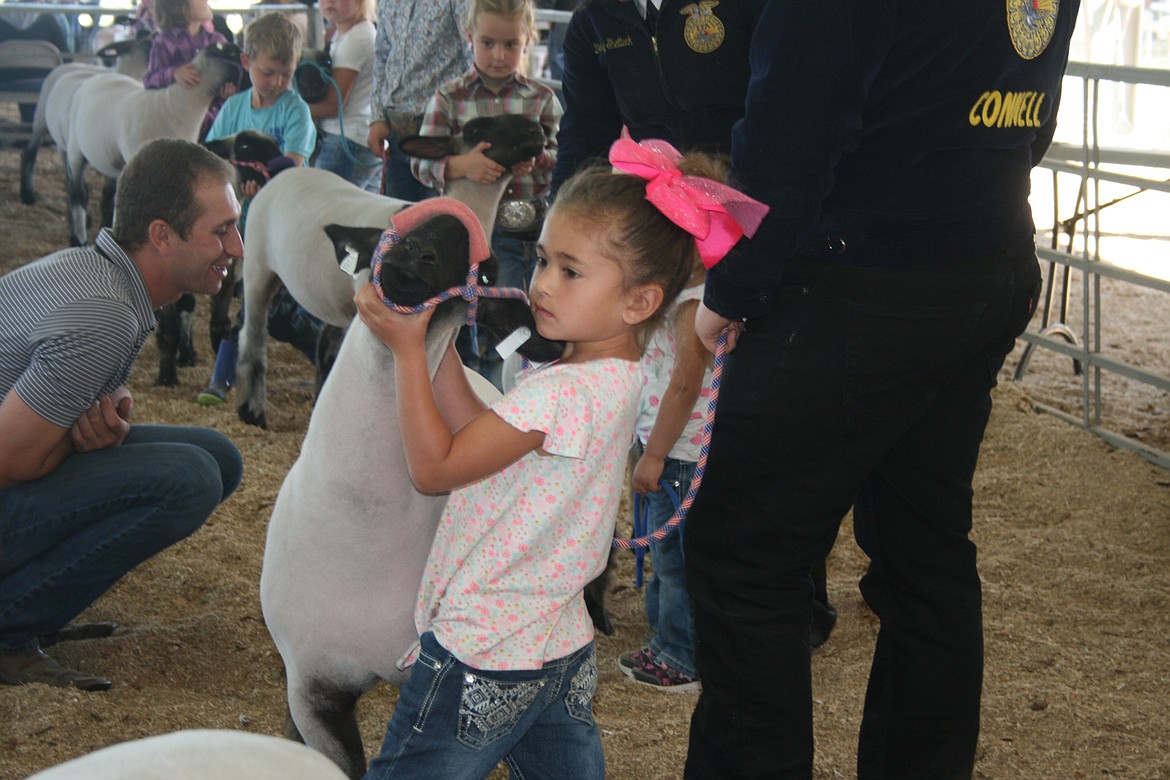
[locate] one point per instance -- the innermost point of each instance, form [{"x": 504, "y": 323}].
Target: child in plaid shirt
[{"x": 501, "y": 32}]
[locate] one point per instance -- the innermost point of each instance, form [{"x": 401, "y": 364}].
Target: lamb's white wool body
[
  {"x": 286, "y": 242},
  {"x": 199, "y": 755},
  {"x": 102, "y": 118},
  {"x": 347, "y": 543},
  {"x": 132, "y": 60}
]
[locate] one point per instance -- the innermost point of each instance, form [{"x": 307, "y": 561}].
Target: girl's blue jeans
[
  {"x": 365, "y": 173},
  {"x": 67, "y": 537},
  {"x": 455, "y": 722},
  {"x": 668, "y": 608}
]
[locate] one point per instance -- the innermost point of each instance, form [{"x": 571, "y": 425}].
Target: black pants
[{"x": 868, "y": 385}]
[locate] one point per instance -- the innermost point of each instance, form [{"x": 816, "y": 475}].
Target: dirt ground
[{"x": 1075, "y": 555}]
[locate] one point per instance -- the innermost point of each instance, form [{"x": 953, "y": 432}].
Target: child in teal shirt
[{"x": 272, "y": 48}]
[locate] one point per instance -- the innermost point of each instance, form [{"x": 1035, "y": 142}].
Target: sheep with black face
[
  {"x": 285, "y": 243},
  {"x": 349, "y": 534}
]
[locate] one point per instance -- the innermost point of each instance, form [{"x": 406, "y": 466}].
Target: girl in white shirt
[{"x": 343, "y": 137}]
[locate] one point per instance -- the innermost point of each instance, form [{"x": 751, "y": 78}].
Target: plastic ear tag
[
  {"x": 512, "y": 342},
  {"x": 349, "y": 264}
]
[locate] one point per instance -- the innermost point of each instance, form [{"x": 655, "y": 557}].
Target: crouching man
[{"x": 84, "y": 495}]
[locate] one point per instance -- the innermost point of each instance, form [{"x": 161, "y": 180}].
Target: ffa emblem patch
[
  {"x": 1031, "y": 23},
  {"x": 703, "y": 32}
]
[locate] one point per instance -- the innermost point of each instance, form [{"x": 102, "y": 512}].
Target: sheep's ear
[
  {"x": 503, "y": 316},
  {"x": 354, "y": 246},
  {"x": 113, "y": 51},
  {"x": 220, "y": 148},
  {"x": 429, "y": 147}
]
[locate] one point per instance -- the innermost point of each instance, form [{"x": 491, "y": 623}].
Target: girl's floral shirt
[{"x": 503, "y": 588}]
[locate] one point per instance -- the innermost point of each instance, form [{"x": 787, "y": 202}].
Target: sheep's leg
[
  {"x": 28, "y": 166},
  {"x": 167, "y": 338},
  {"x": 597, "y": 595},
  {"x": 260, "y": 287},
  {"x": 325, "y": 715},
  {"x": 186, "y": 346},
  {"x": 221, "y": 302},
  {"x": 77, "y": 192},
  {"x": 109, "y": 189}
]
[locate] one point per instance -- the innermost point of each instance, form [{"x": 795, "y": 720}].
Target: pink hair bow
[{"x": 715, "y": 214}]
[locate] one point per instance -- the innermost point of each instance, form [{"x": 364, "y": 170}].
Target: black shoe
[
  {"x": 823, "y": 620},
  {"x": 36, "y": 667}
]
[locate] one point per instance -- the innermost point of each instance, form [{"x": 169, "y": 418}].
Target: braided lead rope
[
  {"x": 257, "y": 166},
  {"x": 704, "y": 448},
  {"x": 641, "y": 518},
  {"x": 328, "y": 79},
  {"x": 470, "y": 292}
]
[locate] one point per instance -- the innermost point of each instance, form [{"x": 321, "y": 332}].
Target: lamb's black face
[
  {"x": 513, "y": 138},
  {"x": 254, "y": 146},
  {"x": 429, "y": 259},
  {"x": 225, "y": 66}
]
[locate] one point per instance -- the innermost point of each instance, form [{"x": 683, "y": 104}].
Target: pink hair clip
[{"x": 715, "y": 214}]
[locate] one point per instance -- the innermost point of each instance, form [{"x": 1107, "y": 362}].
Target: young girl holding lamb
[
  {"x": 184, "y": 29},
  {"x": 505, "y": 668},
  {"x": 344, "y": 118},
  {"x": 501, "y": 33}
]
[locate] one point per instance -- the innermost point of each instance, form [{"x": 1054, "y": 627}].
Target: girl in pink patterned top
[{"x": 505, "y": 669}]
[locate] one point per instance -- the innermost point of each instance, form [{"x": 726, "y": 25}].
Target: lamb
[
  {"x": 349, "y": 535},
  {"x": 199, "y": 755},
  {"x": 130, "y": 59},
  {"x": 102, "y": 119},
  {"x": 285, "y": 243}
]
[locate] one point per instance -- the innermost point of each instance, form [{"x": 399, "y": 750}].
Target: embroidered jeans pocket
[
  {"x": 437, "y": 669},
  {"x": 579, "y": 699},
  {"x": 490, "y": 709}
]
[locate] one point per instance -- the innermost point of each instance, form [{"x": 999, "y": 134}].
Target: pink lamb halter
[{"x": 412, "y": 216}]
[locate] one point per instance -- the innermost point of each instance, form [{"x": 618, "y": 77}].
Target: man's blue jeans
[
  {"x": 455, "y": 722},
  {"x": 358, "y": 166},
  {"x": 67, "y": 537},
  {"x": 668, "y": 608}
]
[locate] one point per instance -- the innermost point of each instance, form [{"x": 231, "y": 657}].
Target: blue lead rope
[{"x": 641, "y": 517}]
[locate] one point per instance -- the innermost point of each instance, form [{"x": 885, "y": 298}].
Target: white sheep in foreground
[
  {"x": 285, "y": 243},
  {"x": 109, "y": 116},
  {"x": 199, "y": 755},
  {"x": 349, "y": 535}
]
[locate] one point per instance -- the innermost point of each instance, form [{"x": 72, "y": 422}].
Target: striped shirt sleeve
[{"x": 81, "y": 346}]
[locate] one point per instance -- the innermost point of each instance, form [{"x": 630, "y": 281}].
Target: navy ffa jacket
[
  {"x": 682, "y": 78},
  {"x": 890, "y": 132}
]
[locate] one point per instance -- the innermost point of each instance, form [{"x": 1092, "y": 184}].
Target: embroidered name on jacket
[
  {"x": 613, "y": 43},
  {"x": 1007, "y": 109}
]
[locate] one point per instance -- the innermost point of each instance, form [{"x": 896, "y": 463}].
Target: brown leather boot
[{"x": 36, "y": 667}]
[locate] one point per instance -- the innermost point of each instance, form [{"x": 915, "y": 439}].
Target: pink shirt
[{"x": 513, "y": 552}]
